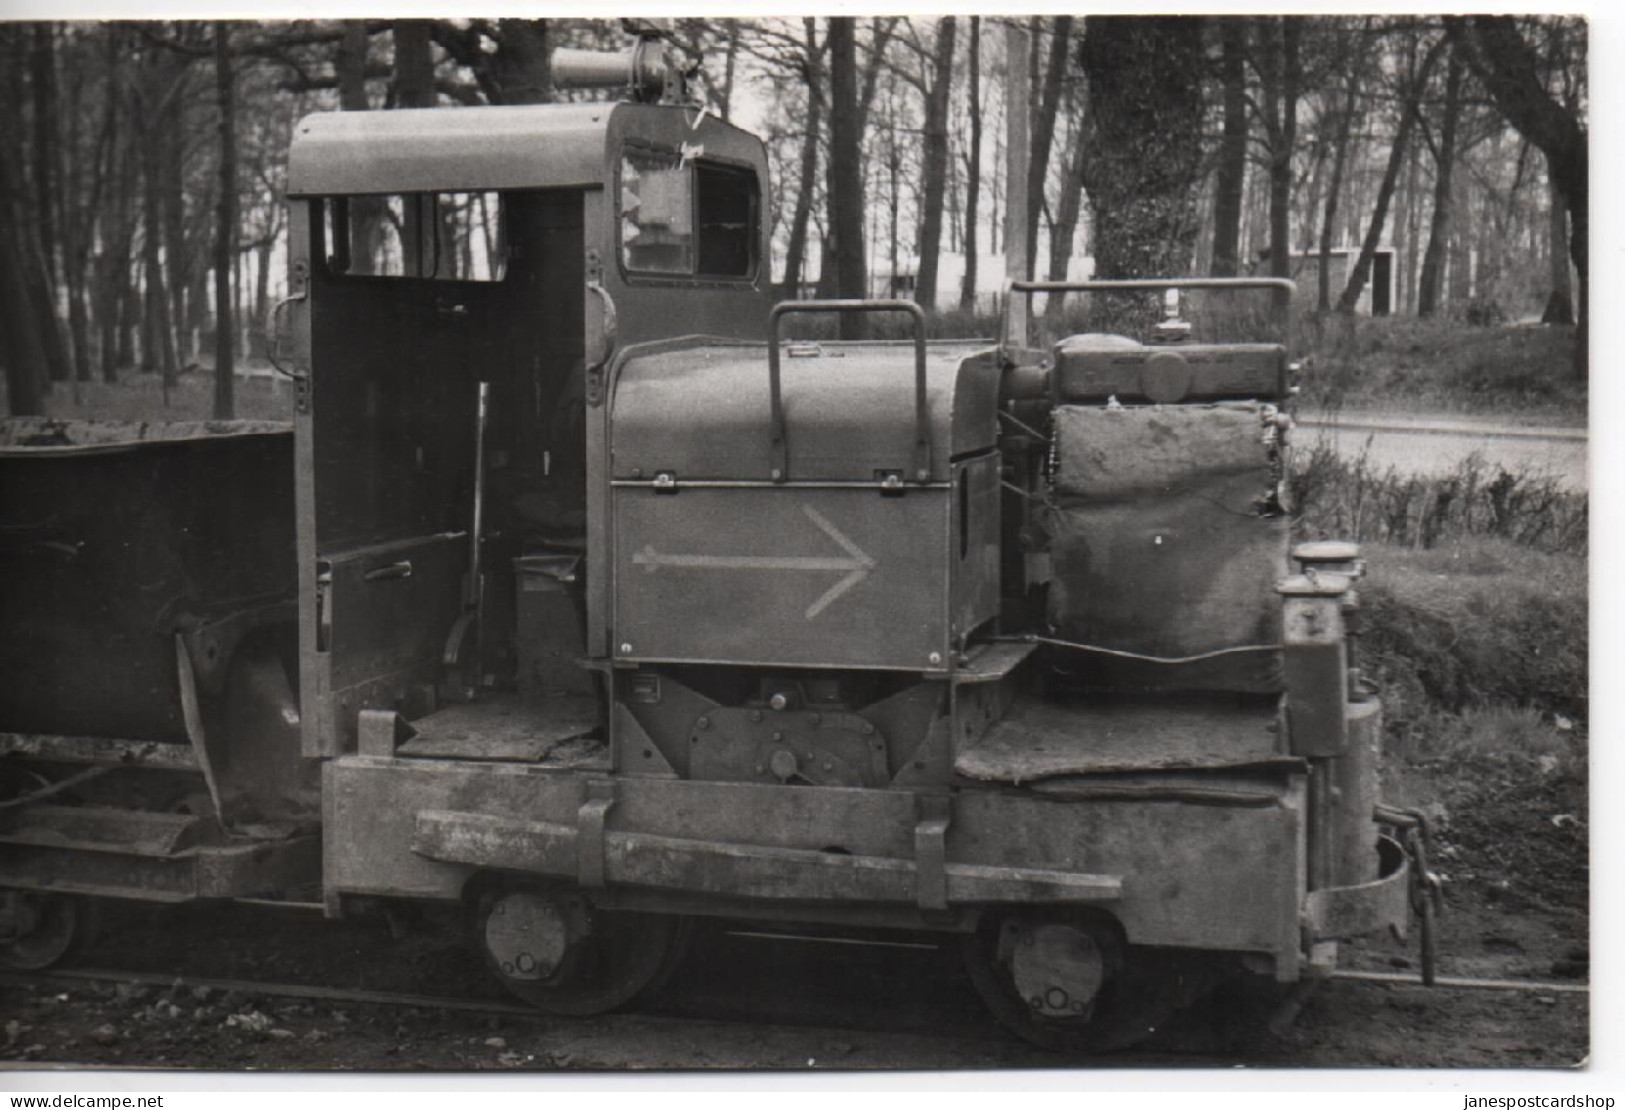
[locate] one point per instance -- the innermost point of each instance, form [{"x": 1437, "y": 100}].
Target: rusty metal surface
[
  {"x": 109, "y": 550},
  {"x": 1166, "y": 542},
  {"x": 98, "y": 751},
  {"x": 1343, "y": 912},
  {"x": 1041, "y": 738},
  {"x": 89, "y": 858},
  {"x": 790, "y": 576},
  {"x": 744, "y": 870},
  {"x": 802, "y": 746},
  {"x": 1088, "y": 370},
  {"x": 849, "y": 411},
  {"x": 1355, "y": 796},
  {"x": 512, "y": 727},
  {"x": 100, "y": 829},
  {"x": 1200, "y": 875},
  {"x": 1315, "y": 674}
]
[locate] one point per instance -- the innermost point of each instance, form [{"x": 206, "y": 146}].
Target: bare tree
[
  {"x": 846, "y": 172},
  {"x": 1444, "y": 161},
  {"x": 934, "y": 169},
  {"x": 1508, "y": 67},
  {"x": 1231, "y": 174},
  {"x": 225, "y": 245},
  {"x": 1043, "y": 127},
  {"x": 973, "y": 165},
  {"x": 1412, "y": 83}
]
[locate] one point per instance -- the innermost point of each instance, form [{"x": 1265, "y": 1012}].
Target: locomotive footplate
[{"x": 1176, "y": 871}]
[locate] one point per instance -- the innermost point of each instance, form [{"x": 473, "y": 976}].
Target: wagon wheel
[
  {"x": 553, "y": 949},
  {"x": 39, "y": 928},
  {"x": 1067, "y": 984}
]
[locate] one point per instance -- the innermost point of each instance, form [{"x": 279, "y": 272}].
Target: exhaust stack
[{"x": 647, "y": 71}]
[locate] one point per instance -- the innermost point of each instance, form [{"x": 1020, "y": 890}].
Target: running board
[{"x": 722, "y": 868}]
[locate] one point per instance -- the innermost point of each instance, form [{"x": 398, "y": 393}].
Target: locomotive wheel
[
  {"x": 1067, "y": 984},
  {"x": 38, "y": 930},
  {"x": 554, "y": 950}
]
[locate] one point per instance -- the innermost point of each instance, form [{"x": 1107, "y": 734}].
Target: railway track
[{"x": 312, "y": 992}]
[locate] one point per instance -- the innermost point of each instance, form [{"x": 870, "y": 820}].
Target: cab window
[
  {"x": 440, "y": 236},
  {"x": 689, "y": 218}
]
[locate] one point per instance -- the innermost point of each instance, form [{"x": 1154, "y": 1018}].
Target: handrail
[
  {"x": 922, "y": 426},
  {"x": 1147, "y": 285}
]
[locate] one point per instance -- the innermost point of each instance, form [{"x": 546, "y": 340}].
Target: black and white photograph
[{"x": 763, "y": 545}]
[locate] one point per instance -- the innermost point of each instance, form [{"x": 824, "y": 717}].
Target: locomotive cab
[{"x": 458, "y": 280}]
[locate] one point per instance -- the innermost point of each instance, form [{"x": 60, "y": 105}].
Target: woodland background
[{"x": 142, "y": 164}]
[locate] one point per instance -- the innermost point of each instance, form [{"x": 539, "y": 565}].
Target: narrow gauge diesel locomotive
[{"x": 584, "y": 597}]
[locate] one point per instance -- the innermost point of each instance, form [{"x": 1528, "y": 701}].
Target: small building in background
[{"x": 1376, "y": 299}]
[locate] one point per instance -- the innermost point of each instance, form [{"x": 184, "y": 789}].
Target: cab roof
[
  {"x": 521, "y": 146},
  {"x": 530, "y": 146}
]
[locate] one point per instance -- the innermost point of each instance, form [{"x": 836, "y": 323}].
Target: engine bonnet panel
[{"x": 704, "y": 412}]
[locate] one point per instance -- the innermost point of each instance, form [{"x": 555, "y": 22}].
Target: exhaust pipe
[{"x": 643, "y": 70}]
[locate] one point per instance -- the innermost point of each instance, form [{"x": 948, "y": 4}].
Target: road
[{"x": 1430, "y": 445}]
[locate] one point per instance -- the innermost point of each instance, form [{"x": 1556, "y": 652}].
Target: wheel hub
[
  {"x": 1057, "y": 969},
  {"x": 528, "y": 935}
]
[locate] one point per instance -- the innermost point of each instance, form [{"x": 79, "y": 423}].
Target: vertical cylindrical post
[
  {"x": 1018, "y": 93},
  {"x": 1352, "y": 858}
]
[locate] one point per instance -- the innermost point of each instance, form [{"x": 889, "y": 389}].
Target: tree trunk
[
  {"x": 1043, "y": 132},
  {"x": 846, "y": 178},
  {"x": 22, "y": 347},
  {"x": 1427, "y": 292},
  {"x": 1231, "y": 173},
  {"x": 1017, "y": 149},
  {"x": 225, "y": 242},
  {"x": 414, "y": 64},
  {"x": 1509, "y": 70},
  {"x": 1328, "y": 225},
  {"x": 1361, "y": 273},
  {"x": 1066, "y": 219},
  {"x": 973, "y": 168},
  {"x": 1413, "y": 227},
  {"x": 1278, "y": 69},
  {"x": 795, "y": 253},
  {"x": 47, "y": 183},
  {"x": 1145, "y": 119},
  {"x": 935, "y": 169},
  {"x": 730, "y": 66},
  {"x": 520, "y": 69},
  {"x": 366, "y": 213},
  {"x": 1460, "y": 277},
  {"x": 1560, "y": 304}
]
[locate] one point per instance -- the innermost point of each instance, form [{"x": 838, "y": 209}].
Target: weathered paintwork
[
  {"x": 1205, "y": 876},
  {"x": 849, "y": 411}
]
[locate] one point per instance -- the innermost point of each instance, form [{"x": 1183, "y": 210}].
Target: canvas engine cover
[{"x": 1167, "y": 539}]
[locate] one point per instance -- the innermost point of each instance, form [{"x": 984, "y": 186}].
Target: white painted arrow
[{"x": 857, "y": 562}]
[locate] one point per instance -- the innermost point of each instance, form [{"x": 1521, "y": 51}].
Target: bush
[
  {"x": 1336, "y": 496},
  {"x": 1475, "y": 626}
]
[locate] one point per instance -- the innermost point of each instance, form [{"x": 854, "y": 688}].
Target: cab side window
[{"x": 692, "y": 218}]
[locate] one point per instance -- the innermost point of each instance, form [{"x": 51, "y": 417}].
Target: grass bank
[{"x": 1517, "y": 372}]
